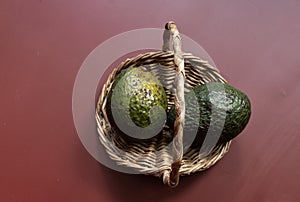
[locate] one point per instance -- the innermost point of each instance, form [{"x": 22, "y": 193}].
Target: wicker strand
[{"x": 177, "y": 151}]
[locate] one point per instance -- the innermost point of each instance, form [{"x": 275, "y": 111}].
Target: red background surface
[{"x": 43, "y": 43}]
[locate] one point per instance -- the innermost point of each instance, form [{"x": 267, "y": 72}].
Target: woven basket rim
[{"x": 189, "y": 164}]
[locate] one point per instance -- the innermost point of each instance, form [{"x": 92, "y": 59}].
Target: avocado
[
  {"x": 215, "y": 113},
  {"x": 137, "y": 104}
]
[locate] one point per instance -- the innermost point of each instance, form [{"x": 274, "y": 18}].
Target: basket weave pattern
[{"x": 153, "y": 157}]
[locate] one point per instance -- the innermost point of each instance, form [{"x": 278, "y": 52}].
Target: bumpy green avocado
[
  {"x": 214, "y": 109},
  {"x": 137, "y": 103}
]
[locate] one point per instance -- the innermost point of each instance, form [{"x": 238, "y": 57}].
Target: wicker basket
[{"x": 157, "y": 156}]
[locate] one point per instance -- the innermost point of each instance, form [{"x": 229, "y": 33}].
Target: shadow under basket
[{"x": 154, "y": 156}]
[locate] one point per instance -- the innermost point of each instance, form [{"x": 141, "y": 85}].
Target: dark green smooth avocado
[{"x": 215, "y": 109}]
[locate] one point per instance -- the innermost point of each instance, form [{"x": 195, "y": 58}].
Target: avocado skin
[
  {"x": 227, "y": 103},
  {"x": 138, "y": 100}
]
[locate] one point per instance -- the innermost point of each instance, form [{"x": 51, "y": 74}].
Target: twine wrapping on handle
[{"x": 171, "y": 178}]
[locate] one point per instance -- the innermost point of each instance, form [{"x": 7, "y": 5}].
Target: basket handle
[{"x": 171, "y": 178}]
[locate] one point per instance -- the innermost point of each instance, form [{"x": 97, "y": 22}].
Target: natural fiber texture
[
  {"x": 162, "y": 155},
  {"x": 152, "y": 157},
  {"x": 172, "y": 178}
]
